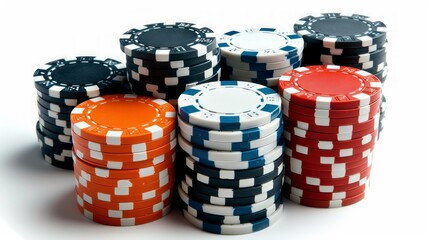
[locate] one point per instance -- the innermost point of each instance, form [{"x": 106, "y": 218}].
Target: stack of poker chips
[
  {"x": 231, "y": 133},
  {"x": 163, "y": 60},
  {"x": 61, "y": 85},
  {"x": 124, "y": 151},
  {"x": 347, "y": 40},
  {"x": 259, "y": 55},
  {"x": 331, "y": 117}
]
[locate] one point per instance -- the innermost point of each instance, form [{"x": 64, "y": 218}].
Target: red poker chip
[
  {"x": 289, "y": 189},
  {"x": 329, "y": 122},
  {"x": 329, "y": 145},
  {"x": 318, "y": 159},
  {"x": 330, "y": 87},
  {"x": 296, "y": 131},
  {"x": 289, "y": 107},
  {"x": 326, "y": 204},
  {"x": 327, "y": 188},
  {"x": 328, "y": 167},
  {"x": 345, "y": 128}
]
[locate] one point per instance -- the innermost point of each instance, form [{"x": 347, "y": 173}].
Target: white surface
[{"x": 37, "y": 200}]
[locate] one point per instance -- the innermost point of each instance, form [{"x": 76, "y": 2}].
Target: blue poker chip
[
  {"x": 235, "y": 229},
  {"x": 79, "y": 77},
  {"x": 215, "y": 105},
  {"x": 228, "y": 210},
  {"x": 54, "y": 121},
  {"x": 233, "y": 192},
  {"x": 344, "y": 51},
  {"x": 203, "y": 198},
  {"x": 57, "y": 160},
  {"x": 336, "y": 30},
  {"x": 231, "y": 156},
  {"x": 232, "y": 174},
  {"x": 261, "y": 45},
  {"x": 363, "y": 61},
  {"x": 249, "y": 164},
  {"x": 54, "y": 128},
  {"x": 71, "y": 102},
  {"x": 163, "y": 42},
  {"x": 239, "y": 183},
  {"x": 234, "y": 146},
  {"x": 51, "y": 142},
  {"x": 53, "y": 114},
  {"x": 231, "y": 136},
  {"x": 220, "y": 219}
]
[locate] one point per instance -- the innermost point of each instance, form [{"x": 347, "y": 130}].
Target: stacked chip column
[
  {"x": 124, "y": 152},
  {"x": 61, "y": 85},
  {"x": 165, "y": 59},
  {"x": 259, "y": 55},
  {"x": 347, "y": 40},
  {"x": 331, "y": 117},
  {"x": 231, "y": 179}
]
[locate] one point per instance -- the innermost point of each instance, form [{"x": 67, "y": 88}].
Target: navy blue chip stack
[
  {"x": 163, "y": 60},
  {"x": 347, "y": 40},
  {"x": 231, "y": 179},
  {"x": 259, "y": 55},
  {"x": 61, "y": 85}
]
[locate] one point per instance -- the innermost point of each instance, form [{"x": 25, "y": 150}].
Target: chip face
[
  {"x": 164, "y": 42},
  {"x": 262, "y": 45},
  {"x": 123, "y": 119},
  {"x": 79, "y": 77},
  {"x": 336, "y": 30},
  {"x": 229, "y": 105}
]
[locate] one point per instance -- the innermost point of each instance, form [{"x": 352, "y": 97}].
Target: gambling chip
[
  {"x": 331, "y": 116},
  {"x": 163, "y": 59},
  {"x": 61, "y": 85},
  {"x": 231, "y": 134},
  {"x": 124, "y": 161},
  {"x": 348, "y": 40},
  {"x": 259, "y": 55}
]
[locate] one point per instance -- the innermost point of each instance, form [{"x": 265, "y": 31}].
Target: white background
[{"x": 37, "y": 200}]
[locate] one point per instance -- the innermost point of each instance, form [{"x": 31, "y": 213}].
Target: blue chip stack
[
  {"x": 63, "y": 84},
  {"x": 259, "y": 55},
  {"x": 232, "y": 175},
  {"x": 347, "y": 40},
  {"x": 163, "y": 60}
]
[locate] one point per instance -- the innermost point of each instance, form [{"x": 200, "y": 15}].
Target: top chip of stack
[
  {"x": 259, "y": 55},
  {"x": 331, "y": 118},
  {"x": 61, "y": 85},
  {"x": 124, "y": 160},
  {"x": 165, "y": 59},
  {"x": 233, "y": 173},
  {"x": 347, "y": 40}
]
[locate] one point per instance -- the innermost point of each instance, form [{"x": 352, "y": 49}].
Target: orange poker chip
[
  {"x": 121, "y": 174},
  {"x": 134, "y": 213},
  {"x": 124, "y": 148},
  {"x": 109, "y": 194},
  {"x": 135, "y": 183},
  {"x": 115, "y": 165},
  {"x": 85, "y": 153},
  {"x": 124, "y": 221},
  {"x": 129, "y": 205},
  {"x": 123, "y": 119}
]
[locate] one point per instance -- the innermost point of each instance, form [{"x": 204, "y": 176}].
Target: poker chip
[
  {"x": 350, "y": 40},
  {"x": 63, "y": 84},
  {"x": 124, "y": 161},
  {"x": 164, "y": 59},
  {"x": 331, "y": 116},
  {"x": 233, "y": 170},
  {"x": 259, "y": 55}
]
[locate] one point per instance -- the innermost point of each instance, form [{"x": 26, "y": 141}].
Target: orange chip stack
[{"x": 124, "y": 147}]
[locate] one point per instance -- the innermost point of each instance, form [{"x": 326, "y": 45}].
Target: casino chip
[
  {"x": 231, "y": 135},
  {"x": 163, "y": 60},
  {"x": 123, "y": 161},
  {"x": 259, "y": 55},
  {"x": 347, "y": 40},
  {"x": 331, "y": 116},
  {"x": 61, "y": 85}
]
